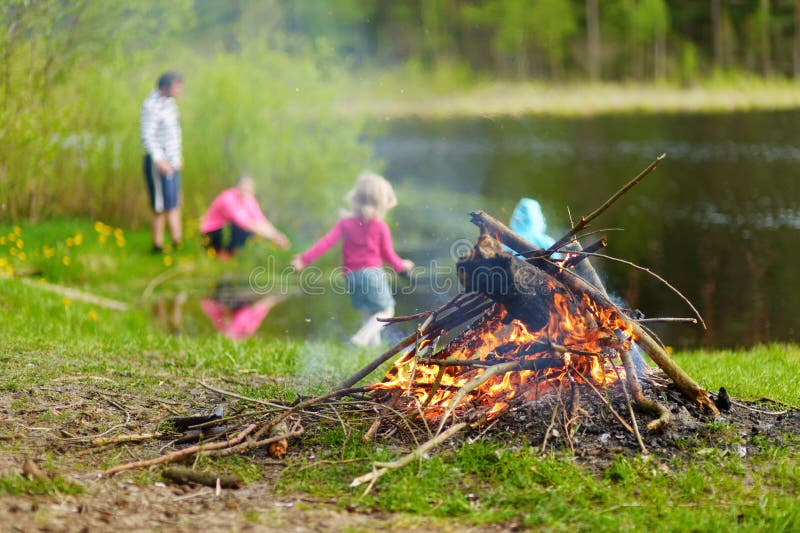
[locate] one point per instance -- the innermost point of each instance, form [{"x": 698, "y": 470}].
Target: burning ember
[{"x": 499, "y": 362}]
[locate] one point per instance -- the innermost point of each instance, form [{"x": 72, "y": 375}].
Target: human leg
[
  {"x": 157, "y": 227},
  {"x": 174, "y": 224},
  {"x": 369, "y": 334},
  {"x": 370, "y": 292},
  {"x": 213, "y": 239}
]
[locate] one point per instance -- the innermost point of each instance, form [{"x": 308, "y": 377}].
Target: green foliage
[
  {"x": 71, "y": 92},
  {"x": 650, "y": 19},
  {"x": 270, "y": 115}
]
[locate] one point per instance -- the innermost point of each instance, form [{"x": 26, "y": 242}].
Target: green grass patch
[
  {"x": 19, "y": 485},
  {"x": 48, "y": 342}
]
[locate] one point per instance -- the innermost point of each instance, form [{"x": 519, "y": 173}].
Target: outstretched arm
[{"x": 319, "y": 248}]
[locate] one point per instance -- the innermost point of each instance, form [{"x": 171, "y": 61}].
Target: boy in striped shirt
[{"x": 163, "y": 160}]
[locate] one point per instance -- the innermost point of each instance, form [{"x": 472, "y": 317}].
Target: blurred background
[{"x": 304, "y": 94}]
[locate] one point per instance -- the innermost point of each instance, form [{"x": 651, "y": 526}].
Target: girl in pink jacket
[{"x": 366, "y": 245}]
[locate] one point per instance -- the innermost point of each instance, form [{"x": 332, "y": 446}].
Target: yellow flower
[
  {"x": 118, "y": 233},
  {"x": 66, "y": 301},
  {"x": 93, "y": 315},
  {"x": 212, "y": 253},
  {"x": 17, "y": 230},
  {"x": 11, "y": 237},
  {"x": 65, "y": 260},
  {"x": 13, "y": 251},
  {"x": 78, "y": 239},
  {"x": 48, "y": 252},
  {"x": 20, "y": 244},
  {"x": 121, "y": 242},
  {"x": 98, "y": 226},
  {"x": 10, "y": 271},
  {"x": 3, "y": 240},
  {"x": 101, "y": 238},
  {"x": 3, "y": 261},
  {"x": 167, "y": 260},
  {"x": 70, "y": 242},
  {"x": 22, "y": 256}
]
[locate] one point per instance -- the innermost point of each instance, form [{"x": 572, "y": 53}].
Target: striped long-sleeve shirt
[{"x": 161, "y": 129}]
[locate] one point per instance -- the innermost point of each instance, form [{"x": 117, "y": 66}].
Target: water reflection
[
  {"x": 168, "y": 311},
  {"x": 235, "y": 310}
]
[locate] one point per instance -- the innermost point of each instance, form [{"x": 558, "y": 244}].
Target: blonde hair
[{"x": 372, "y": 196}]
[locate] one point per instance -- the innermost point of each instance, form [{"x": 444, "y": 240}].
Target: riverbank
[{"x": 387, "y": 98}]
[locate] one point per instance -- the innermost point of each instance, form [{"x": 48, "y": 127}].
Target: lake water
[{"x": 719, "y": 218}]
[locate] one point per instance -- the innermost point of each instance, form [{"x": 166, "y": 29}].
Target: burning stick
[{"x": 461, "y": 315}]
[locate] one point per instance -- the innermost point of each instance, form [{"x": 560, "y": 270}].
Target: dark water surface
[{"x": 719, "y": 219}]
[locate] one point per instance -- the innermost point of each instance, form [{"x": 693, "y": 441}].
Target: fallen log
[
  {"x": 525, "y": 290},
  {"x": 184, "y": 475}
]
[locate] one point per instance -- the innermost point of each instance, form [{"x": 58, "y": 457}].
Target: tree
[
  {"x": 796, "y": 54},
  {"x": 553, "y": 23},
  {"x": 593, "y": 54},
  {"x": 651, "y": 23},
  {"x": 716, "y": 29},
  {"x": 763, "y": 25}
]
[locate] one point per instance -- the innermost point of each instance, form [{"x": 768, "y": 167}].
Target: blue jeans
[{"x": 369, "y": 289}]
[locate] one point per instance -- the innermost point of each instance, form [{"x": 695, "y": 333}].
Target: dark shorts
[
  {"x": 369, "y": 290},
  {"x": 214, "y": 239},
  {"x": 164, "y": 191}
]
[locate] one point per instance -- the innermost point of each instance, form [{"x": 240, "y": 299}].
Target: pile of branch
[{"x": 263, "y": 424}]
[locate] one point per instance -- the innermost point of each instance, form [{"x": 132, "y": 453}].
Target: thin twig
[
  {"x": 240, "y": 397},
  {"x": 379, "y": 468},
  {"x": 585, "y": 220},
  {"x": 656, "y": 276}
]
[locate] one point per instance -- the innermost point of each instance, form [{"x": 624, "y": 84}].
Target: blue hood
[{"x": 528, "y": 221}]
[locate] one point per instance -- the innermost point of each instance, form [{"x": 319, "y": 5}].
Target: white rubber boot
[{"x": 370, "y": 332}]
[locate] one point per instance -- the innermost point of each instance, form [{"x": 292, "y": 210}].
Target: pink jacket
[
  {"x": 365, "y": 243},
  {"x": 231, "y": 206}
]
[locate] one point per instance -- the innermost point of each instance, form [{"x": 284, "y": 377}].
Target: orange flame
[{"x": 577, "y": 344}]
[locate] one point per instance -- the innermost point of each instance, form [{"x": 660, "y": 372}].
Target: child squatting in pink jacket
[
  {"x": 238, "y": 208},
  {"x": 366, "y": 245}
]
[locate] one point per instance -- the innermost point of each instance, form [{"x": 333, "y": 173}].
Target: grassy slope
[{"x": 46, "y": 338}]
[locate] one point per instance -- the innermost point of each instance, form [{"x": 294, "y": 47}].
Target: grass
[
  {"x": 49, "y": 341},
  {"x": 395, "y": 95}
]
